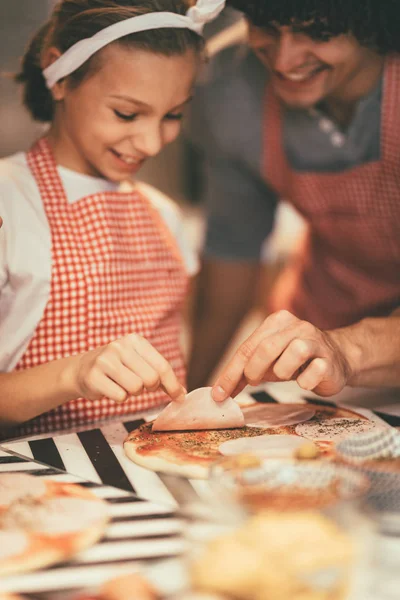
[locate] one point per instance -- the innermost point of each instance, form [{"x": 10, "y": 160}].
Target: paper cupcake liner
[
  {"x": 371, "y": 445},
  {"x": 367, "y": 453}
]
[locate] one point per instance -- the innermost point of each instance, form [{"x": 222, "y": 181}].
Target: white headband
[{"x": 195, "y": 19}]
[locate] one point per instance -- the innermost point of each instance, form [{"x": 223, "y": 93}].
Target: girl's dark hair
[
  {"x": 74, "y": 20},
  {"x": 374, "y": 23}
]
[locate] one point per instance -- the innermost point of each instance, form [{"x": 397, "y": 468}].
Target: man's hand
[{"x": 285, "y": 348}]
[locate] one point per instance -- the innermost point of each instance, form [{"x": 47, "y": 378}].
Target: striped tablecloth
[
  {"x": 97, "y": 455},
  {"x": 141, "y": 536},
  {"x": 146, "y": 537},
  {"x": 144, "y": 534}
]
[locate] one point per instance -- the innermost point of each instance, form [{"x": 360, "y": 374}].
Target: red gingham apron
[
  {"x": 349, "y": 265},
  {"x": 115, "y": 270}
]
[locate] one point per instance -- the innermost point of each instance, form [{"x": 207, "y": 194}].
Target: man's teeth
[{"x": 300, "y": 76}]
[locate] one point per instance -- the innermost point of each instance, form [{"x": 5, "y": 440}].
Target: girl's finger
[
  {"x": 168, "y": 379},
  {"x": 104, "y": 386},
  {"x": 138, "y": 365}
]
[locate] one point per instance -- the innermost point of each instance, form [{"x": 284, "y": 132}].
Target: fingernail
[
  {"x": 182, "y": 396},
  {"x": 219, "y": 394}
]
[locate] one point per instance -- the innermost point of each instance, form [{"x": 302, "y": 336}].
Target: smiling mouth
[
  {"x": 301, "y": 76},
  {"x": 130, "y": 161}
]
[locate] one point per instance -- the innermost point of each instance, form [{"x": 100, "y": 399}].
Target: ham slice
[
  {"x": 277, "y": 415},
  {"x": 271, "y": 446},
  {"x": 199, "y": 411}
]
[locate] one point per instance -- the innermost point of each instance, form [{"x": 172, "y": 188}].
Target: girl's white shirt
[{"x": 25, "y": 247}]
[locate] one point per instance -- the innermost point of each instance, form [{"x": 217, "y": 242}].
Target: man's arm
[
  {"x": 373, "y": 348},
  {"x": 225, "y": 292}
]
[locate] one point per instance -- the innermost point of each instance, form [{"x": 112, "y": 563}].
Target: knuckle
[
  {"x": 300, "y": 349},
  {"x": 165, "y": 369},
  {"x": 279, "y": 371},
  {"x": 283, "y": 316},
  {"x": 121, "y": 396},
  {"x": 267, "y": 349},
  {"x": 102, "y": 361},
  {"x": 115, "y": 347},
  {"x": 246, "y": 351},
  {"x": 152, "y": 381},
  {"x": 136, "y": 388},
  {"x": 320, "y": 366},
  {"x": 134, "y": 338},
  {"x": 306, "y": 328},
  {"x": 251, "y": 378}
]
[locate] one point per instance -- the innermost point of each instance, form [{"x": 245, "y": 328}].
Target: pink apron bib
[
  {"x": 349, "y": 266},
  {"x": 116, "y": 270}
]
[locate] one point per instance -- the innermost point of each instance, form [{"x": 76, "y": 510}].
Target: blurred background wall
[{"x": 19, "y": 19}]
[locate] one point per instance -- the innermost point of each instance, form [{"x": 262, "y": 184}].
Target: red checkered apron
[
  {"x": 115, "y": 270},
  {"x": 349, "y": 265}
]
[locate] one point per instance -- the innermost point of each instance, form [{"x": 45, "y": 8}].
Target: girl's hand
[{"x": 123, "y": 368}]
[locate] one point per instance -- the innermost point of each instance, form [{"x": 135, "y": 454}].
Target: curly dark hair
[{"x": 374, "y": 23}]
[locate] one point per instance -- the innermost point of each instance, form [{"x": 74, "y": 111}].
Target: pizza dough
[
  {"x": 192, "y": 453},
  {"x": 12, "y": 543},
  {"x": 199, "y": 411},
  {"x": 277, "y": 415},
  {"x": 43, "y": 522},
  {"x": 334, "y": 430},
  {"x": 14, "y": 486},
  {"x": 62, "y": 515},
  {"x": 269, "y": 446}
]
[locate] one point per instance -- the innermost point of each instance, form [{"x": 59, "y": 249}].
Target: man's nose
[{"x": 289, "y": 52}]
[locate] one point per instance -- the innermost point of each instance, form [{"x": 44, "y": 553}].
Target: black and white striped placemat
[
  {"x": 141, "y": 535},
  {"x": 97, "y": 454}
]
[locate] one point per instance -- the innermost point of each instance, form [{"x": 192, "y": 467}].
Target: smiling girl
[{"x": 92, "y": 286}]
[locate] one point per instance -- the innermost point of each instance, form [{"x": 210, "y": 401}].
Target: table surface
[{"x": 145, "y": 532}]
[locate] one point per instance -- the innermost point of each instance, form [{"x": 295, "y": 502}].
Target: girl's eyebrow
[
  {"x": 144, "y": 105},
  {"x": 132, "y": 100}
]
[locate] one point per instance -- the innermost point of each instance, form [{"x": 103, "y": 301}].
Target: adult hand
[
  {"x": 285, "y": 348},
  {"x": 123, "y": 368}
]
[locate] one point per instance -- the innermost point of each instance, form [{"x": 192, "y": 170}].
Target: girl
[{"x": 95, "y": 260}]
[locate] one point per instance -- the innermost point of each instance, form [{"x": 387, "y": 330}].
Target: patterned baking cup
[
  {"x": 377, "y": 455},
  {"x": 289, "y": 485}
]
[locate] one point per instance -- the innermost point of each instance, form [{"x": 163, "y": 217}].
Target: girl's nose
[{"x": 149, "y": 142}]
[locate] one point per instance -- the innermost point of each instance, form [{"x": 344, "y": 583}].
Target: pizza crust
[{"x": 155, "y": 463}]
